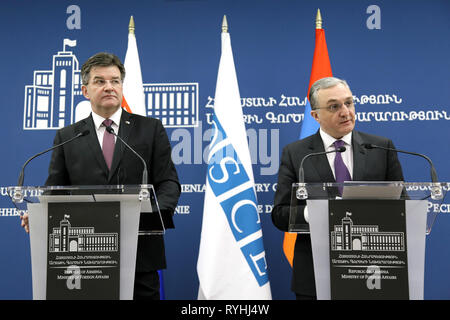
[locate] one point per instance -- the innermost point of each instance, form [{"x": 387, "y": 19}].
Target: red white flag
[
  {"x": 133, "y": 89},
  {"x": 321, "y": 68}
]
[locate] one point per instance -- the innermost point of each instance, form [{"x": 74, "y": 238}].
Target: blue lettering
[
  {"x": 226, "y": 171},
  {"x": 242, "y": 214},
  {"x": 256, "y": 259},
  {"x": 226, "y": 174}
]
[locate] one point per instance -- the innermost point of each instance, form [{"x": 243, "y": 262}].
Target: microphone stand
[
  {"x": 436, "y": 188},
  {"x": 144, "y": 194},
  {"x": 301, "y": 192}
]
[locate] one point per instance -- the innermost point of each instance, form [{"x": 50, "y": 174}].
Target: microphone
[
  {"x": 436, "y": 191},
  {"x": 18, "y": 196},
  {"x": 301, "y": 175},
  {"x": 434, "y": 177},
  {"x": 145, "y": 172},
  {"x": 21, "y": 176},
  {"x": 301, "y": 191}
]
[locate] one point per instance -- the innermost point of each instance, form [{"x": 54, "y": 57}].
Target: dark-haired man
[{"x": 96, "y": 159}]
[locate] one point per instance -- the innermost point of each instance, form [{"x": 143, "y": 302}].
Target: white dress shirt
[
  {"x": 347, "y": 155},
  {"x": 100, "y": 128}
]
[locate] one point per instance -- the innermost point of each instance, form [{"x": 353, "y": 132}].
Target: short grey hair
[{"x": 323, "y": 83}]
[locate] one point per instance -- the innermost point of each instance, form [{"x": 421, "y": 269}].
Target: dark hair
[{"x": 101, "y": 59}]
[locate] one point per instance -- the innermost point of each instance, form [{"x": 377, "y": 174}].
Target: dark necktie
[
  {"x": 108, "y": 144},
  {"x": 340, "y": 169}
]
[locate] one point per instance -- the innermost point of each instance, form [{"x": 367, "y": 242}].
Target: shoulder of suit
[
  {"x": 74, "y": 127},
  {"x": 144, "y": 119},
  {"x": 371, "y": 138},
  {"x": 302, "y": 143}
]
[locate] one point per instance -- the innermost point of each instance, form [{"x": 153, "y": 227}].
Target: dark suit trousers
[{"x": 146, "y": 286}]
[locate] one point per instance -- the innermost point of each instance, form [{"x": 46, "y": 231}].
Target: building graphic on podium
[
  {"x": 67, "y": 238},
  {"x": 349, "y": 237},
  {"x": 55, "y": 100}
]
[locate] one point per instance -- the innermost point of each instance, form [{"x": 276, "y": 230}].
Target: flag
[
  {"x": 162, "y": 292},
  {"x": 70, "y": 43},
  {"x": 321, "y": 68},
  {"x": 133, "y": 90},
  {"x": 231, "y": 263}
]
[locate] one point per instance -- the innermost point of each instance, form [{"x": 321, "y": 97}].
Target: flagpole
[
  {"x": 130, "y": 31},
  {"x": 231, "y": 263},
  {"x": 224, "y": 24},
  {"x": 133, "y": 89},
  {"x": 321, "y": 68},
  {"x": 131, "y": 26},
  {"x": 318, "y": 20}
]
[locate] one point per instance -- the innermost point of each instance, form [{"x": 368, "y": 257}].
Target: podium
[
  {"x": 83, "y": 239},
  {"x": 367, "y": 238}
]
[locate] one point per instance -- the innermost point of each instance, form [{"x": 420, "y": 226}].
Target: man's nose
[
  {"x": 108, "y": 86},
  {"x": 344, "y": 111}
]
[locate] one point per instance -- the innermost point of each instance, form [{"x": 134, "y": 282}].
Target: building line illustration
[
  {"x": 67, "y": 238},
  {"x": 348, "y": 237},
  {"x": 55, "y": 100}
]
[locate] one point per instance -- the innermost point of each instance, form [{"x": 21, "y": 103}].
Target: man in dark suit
[
  {"x": 333, "y": 108},
  {"x": 89, "y": 160}
]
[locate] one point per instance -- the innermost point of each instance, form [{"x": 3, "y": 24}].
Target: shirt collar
[
  {"x": 98, "y": 120},
  {"x": 329, "y": 140}
]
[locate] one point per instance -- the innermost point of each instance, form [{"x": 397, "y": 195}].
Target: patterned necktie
[
  {"x": 340, "y": 169},
  {"x": 108, "y": 144}
]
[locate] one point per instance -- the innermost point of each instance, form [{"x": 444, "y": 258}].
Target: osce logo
[
  {"x": 55, "y": 100},
  {"x": 234, "y": 191}
]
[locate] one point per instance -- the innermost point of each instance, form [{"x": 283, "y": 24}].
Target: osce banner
[
  {"x": 393, "y": 54},
  {"x": 231, "y": 261}
]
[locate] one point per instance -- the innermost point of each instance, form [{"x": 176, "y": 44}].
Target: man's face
[
  {"x": 336, "y": 113},
  {"x": 104, "y": 90}
]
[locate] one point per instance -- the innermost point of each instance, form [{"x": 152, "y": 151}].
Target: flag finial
[
  {"x": 131, "y": 25},
  {"x": 318, "y": 20},
  {"x": 224, "y": 24}
]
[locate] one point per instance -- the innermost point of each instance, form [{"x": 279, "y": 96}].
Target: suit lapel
[
  {"x": 124, "y": 133},
  {"x": 320, "y": 163},
  {"x": 359, "y": 157}
]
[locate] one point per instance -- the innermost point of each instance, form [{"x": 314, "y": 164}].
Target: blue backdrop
[{"x": 394, "y": 55}]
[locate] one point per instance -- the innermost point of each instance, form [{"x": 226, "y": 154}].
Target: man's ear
[
  {"x": 85, "y": 91},
  {"x": 315, "y": 115}
]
